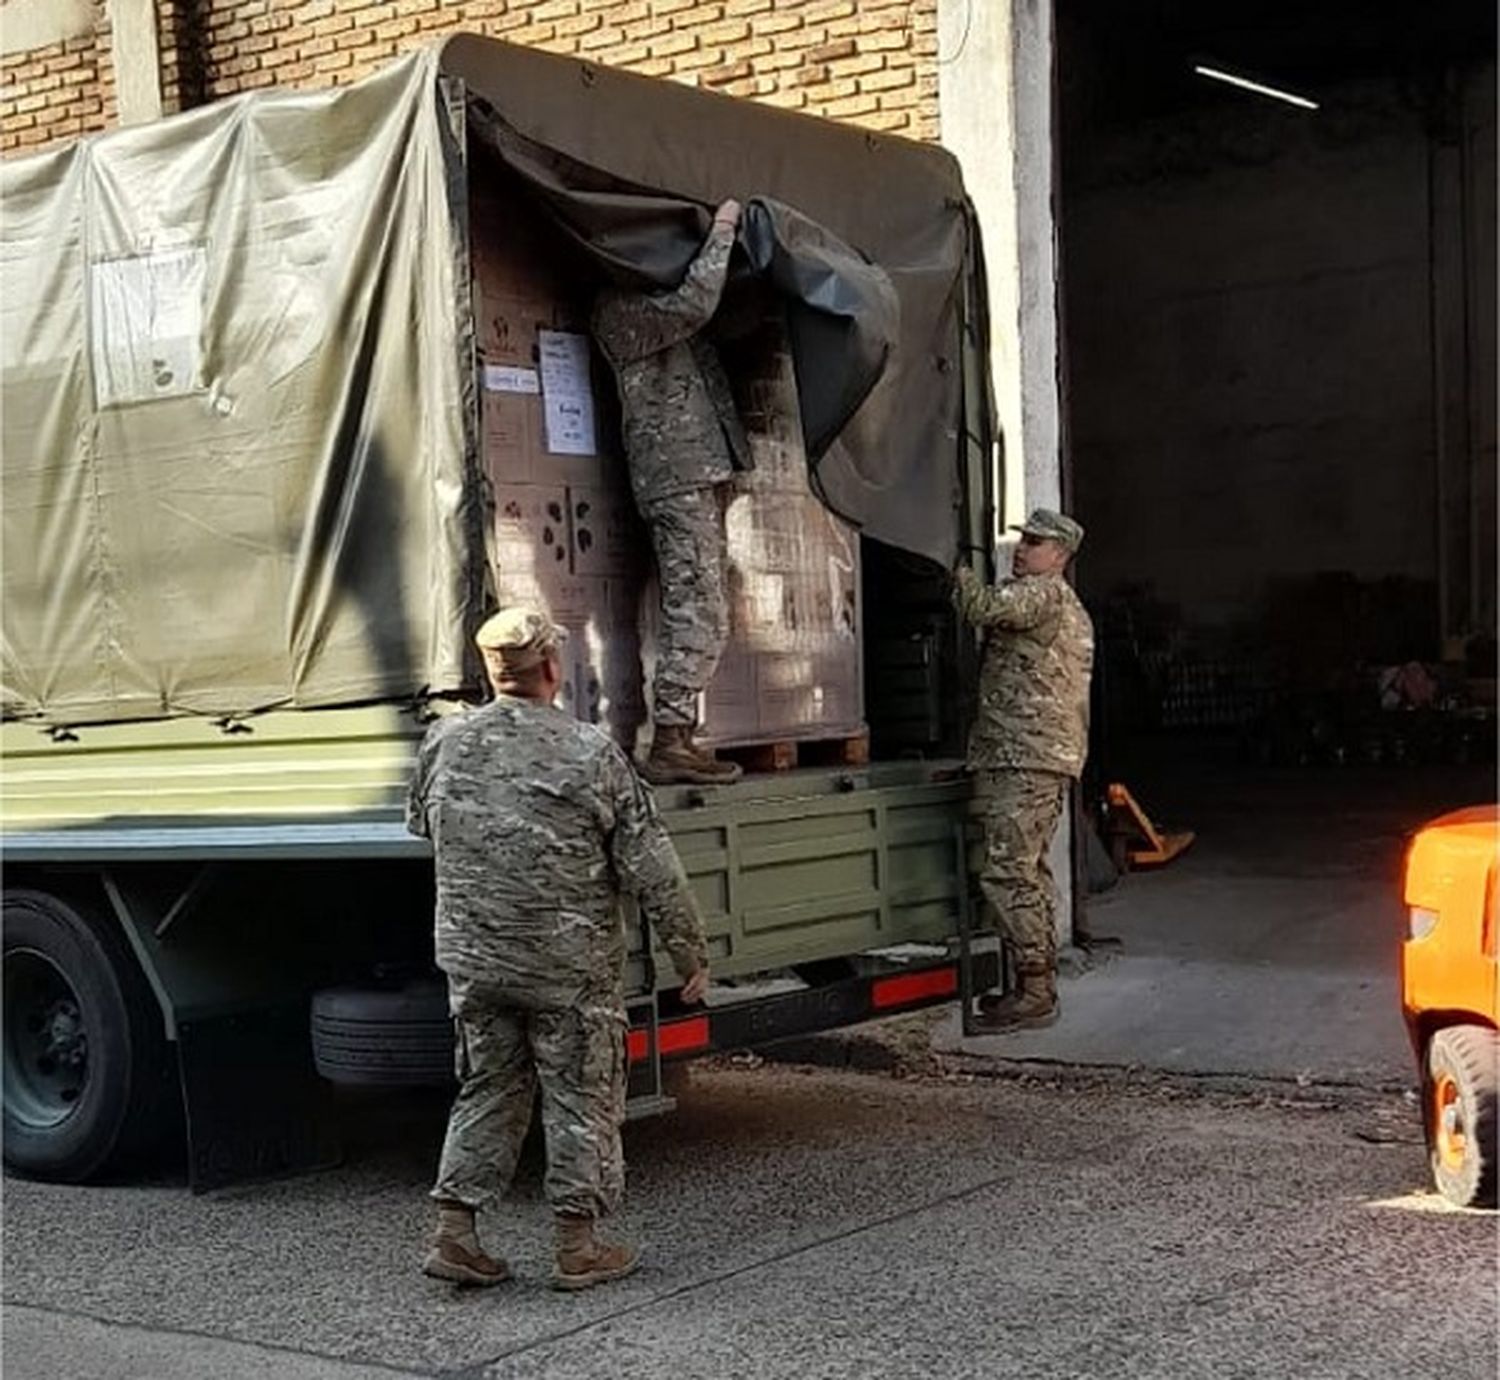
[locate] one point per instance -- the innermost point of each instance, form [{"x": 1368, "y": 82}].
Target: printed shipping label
[
  {"x": 146, "y": 326},
  {"x": 507, "y": 378},
  {"x": 568, "y": 400}
]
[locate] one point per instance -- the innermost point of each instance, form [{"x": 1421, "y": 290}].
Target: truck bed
[{"x": 789, "y": 867}]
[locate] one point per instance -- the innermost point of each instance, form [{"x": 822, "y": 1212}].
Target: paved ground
[
  {"x": 979, "y": 1220},
  {"x": 1271, "y": 947},
  {"x": 809, "y": 1224}
]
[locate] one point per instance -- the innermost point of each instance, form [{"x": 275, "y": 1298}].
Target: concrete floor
[
  {"x": 1271, "y": 948},
  {"x": 814, "y": 1226},
  {"x": 825, "y": 1224}
]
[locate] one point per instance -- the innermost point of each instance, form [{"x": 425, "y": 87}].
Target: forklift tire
[
  {"x": 1462, "y": 1097},
  {"x": 88, "y": 1078},
  {"x": 395, "y": 1037}
]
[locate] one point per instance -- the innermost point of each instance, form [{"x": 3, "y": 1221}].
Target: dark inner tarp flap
[
  {"x": 630, "y": 167},
  {"x": 842, "y": 312},
  {"x": 843, "y": 315}
]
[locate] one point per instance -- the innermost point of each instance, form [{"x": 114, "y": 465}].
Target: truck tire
[
  {"x": 386, "y": 1037},
  {"x": 87, "y": 1073},
  {"x": 1462, "y": 1097}
]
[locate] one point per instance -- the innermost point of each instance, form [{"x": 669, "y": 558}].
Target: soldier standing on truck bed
[
  {"x": 1028, "y": 745},
  {"x": 538, "y": 821},
  {"x": 683, "y": 443}
]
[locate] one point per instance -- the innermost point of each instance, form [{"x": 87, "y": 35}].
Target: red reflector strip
[
  {"x": 637, "y": 1046},
  {"x": 912, "y": 987},
  {"x": 679, "y": 1037}
]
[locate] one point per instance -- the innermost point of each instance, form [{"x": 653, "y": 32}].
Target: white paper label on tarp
[
  {"x": 506, "y": 378},
  {"x": 147, "y": 325},
  {"x": 567, "y": 399}
]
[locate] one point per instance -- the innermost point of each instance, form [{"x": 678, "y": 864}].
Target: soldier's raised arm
[
  {"x": 649, "y": 869},
  {"x": 631, "y": 325},
  {"x": 1012, "y": 604}
]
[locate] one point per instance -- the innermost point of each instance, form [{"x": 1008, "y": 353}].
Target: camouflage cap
[
  {"x": 1051, "y": 526},
  {"x": 519, "y": 638}
]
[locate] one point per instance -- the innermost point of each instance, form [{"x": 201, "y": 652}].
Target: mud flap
[
  {"x": 256, "y": 1109},
  {"x": 234, "y": 1004}
]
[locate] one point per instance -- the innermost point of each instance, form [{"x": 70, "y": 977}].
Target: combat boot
[
  {"x": 675, "y": 759},
  {"x": 1032, "y": 1006},
  {"x": 584, "y": 1261},
  {"x": 455, "y": 1254}
]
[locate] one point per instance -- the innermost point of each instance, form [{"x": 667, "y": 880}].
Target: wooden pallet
[{"x": 784, "y": 754}]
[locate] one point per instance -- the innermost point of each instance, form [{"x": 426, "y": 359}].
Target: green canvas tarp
[
  {"x": 239, "y": 409},
  {"x": 235, "y": 444},
  {"x": 598, "y": 132}
]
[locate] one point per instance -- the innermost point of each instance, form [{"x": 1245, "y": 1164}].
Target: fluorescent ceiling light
[{"x": 1214, "y": 74}]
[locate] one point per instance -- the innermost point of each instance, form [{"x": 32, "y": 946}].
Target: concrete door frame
[
  {"x": 137, "y": 60},
  {"x": 995, "y": 107}
]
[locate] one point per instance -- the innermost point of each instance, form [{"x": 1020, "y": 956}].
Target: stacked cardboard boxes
[
  {"x": 566, "y": 534},
  {"x": 793, "y": 668}
]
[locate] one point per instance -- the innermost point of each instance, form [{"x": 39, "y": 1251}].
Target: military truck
[{"x": 248, "y": 533}]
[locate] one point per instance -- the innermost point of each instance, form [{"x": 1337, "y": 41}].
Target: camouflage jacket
[
  {"x": 1034, "y": 682},
  {"x": 539, "y": 823},
  {"x": 681, "y": 428}
]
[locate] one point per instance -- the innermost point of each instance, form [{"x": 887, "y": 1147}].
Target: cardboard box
[
  {"x": 620, "y": 669},
  {"x": 790, "y": 713},
  {"x": 608, "y": 537},
  {"x": 508, "y": 427},
  {"x": 531, "y": 535},
  {"x": 838, "y": 699},
  {"x": 579, "y": 605},
  {"x": 778, "y": 470},
  {"x": 607, "y": 673},
  {"x": 513, "y": 438},
  {"x": 588, "y": 678},
  {"x": 602, "y": 471},
  {"x": 506, "y": 327},
  {"x": 730, "y": 710},
  {"x": 569, "y": 539},
  {"x": 779, "y": 455},
  {"x": 774, "y": 535}
]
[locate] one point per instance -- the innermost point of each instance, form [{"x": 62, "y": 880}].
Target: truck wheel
[
  {"x": 1461, "y": 1113},
  {"x": 84, "y": 1053},
  {"x": 391, "y": 1037}
]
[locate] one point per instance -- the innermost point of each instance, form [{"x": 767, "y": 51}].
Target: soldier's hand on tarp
[
  {"x": 728, "y": 214},
  {"x": 970, "y": 561},
  {"x": 696, "y": 987}
]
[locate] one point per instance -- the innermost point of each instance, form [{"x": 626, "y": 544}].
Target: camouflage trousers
[
  {"x": 1021, "y": 810},
  {"x": 577, "y": 1056},
  {"x": 687, "y": 534}
]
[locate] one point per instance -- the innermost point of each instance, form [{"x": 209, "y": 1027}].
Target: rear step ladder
[
  {"x": 966, "y": 935},
  {"x": 644, "y": 1094}
]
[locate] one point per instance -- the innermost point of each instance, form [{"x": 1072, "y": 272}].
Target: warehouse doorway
[{"x": 1276, "y": 227}]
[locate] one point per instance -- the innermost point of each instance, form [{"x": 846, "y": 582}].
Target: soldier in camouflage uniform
[
  {"x": 1027, "y": 747},
  {"x": 538, "y": 822},
  {"x": 683, "y": 443}
]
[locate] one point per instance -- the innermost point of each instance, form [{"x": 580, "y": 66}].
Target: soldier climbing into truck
[{"x": 683, "y": 443}]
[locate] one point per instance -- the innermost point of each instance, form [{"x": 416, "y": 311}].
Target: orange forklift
[{"x": 1450, "y": 992}]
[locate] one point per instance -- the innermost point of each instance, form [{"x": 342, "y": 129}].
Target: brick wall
[
  {"x": 58, "y": 92},
  {"x": 871, "y": 62}
]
